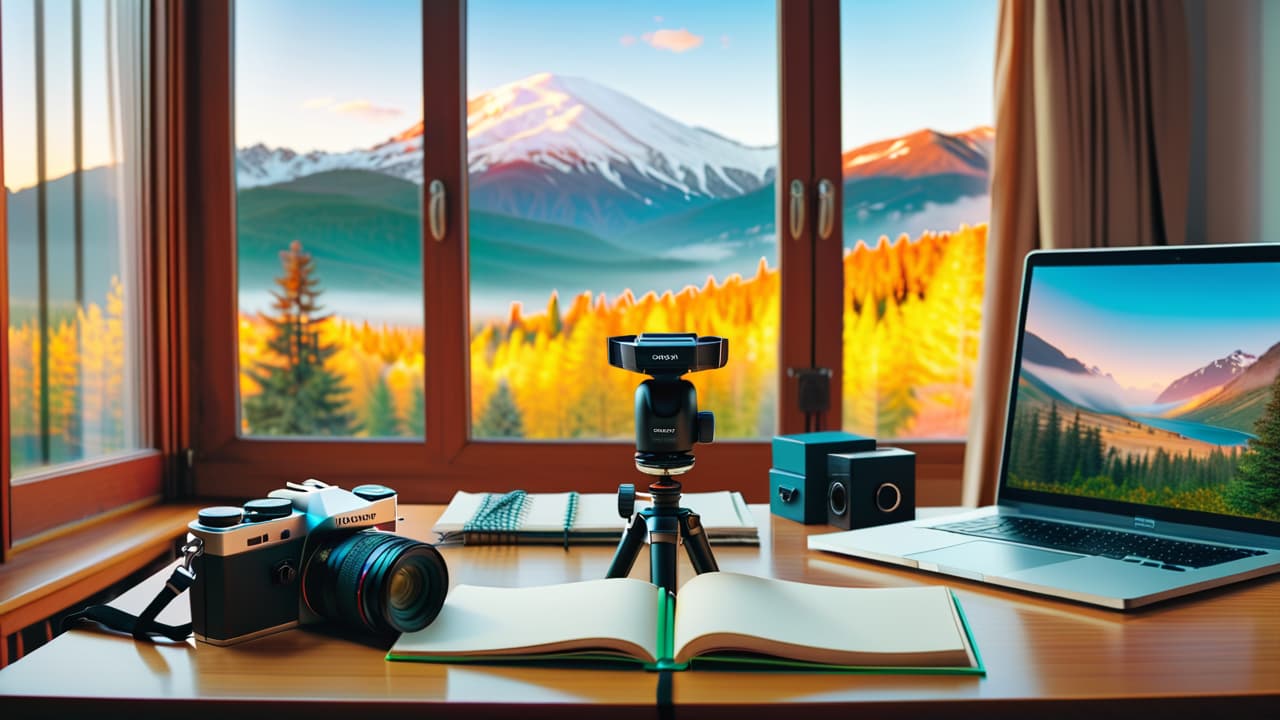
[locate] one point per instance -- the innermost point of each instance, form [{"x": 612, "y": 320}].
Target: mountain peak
[
  {"x": 1215, "y": 374},
  {"x": 922, "y": 153}
]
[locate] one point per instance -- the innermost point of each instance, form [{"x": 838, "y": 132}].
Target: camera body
[
  {"x": 870, "y": 488},
  {"x": 668, "y": 422},
  {"x": 249, "y": 579}
]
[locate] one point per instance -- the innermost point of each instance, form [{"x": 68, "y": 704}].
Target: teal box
[
  {"x": 789, "y": 498},
  {"x": 798, "y": 479}
]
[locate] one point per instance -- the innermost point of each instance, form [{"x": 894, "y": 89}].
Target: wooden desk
[{"x": 1218, "y": 653}]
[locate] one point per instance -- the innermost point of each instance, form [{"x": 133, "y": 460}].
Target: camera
[
  {"x": 311, "y": 552},
  {"x": 870, "y": 488},
  {"x": 668, "y": 423}
]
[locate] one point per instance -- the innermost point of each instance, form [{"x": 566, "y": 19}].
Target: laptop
[{"x": 1142, "y": 434}]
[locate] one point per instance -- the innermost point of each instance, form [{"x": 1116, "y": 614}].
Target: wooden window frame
[
  {"x": 431, "y": 469},
  {"x": 47, "y": 502}
]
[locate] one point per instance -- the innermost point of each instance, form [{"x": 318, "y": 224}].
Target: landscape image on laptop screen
[{"x": 1153, "y": 385}]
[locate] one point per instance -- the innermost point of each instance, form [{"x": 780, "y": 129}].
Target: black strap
[
  {"x": 142, "y": 626},
  {"x": 666, "y": 707}
]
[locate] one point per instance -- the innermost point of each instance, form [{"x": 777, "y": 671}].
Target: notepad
[
  {"x": 555, "y": 518},
  {"x": 720, "y": 619}
]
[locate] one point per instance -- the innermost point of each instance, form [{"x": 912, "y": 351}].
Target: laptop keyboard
[{"x": 1176, "y": 555}]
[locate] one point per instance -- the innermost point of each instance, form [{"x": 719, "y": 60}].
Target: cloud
[
  {"x": 627, "y": 40},
  {"x": 359, "y": 108},
  {"x": 366, "y": 109},
  {"x": 677, "y": 41},
  {"x": 724, "y": 41},
  {"x": 657, "y": 19}
]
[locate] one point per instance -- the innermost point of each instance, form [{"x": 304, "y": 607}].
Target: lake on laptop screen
[{"x": 1146, "y": 384}]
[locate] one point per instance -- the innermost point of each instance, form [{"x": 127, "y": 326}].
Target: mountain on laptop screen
[{"x": 1152, "y": 384}]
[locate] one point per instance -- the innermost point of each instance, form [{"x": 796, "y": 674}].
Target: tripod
[{"x": 666, "y": 522}]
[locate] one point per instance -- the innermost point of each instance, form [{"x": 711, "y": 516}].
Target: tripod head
[{"x": 668, "y": 422}]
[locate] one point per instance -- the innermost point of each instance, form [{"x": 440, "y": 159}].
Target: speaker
[
  {"x": 876, "y": 487},
  {"x": 798, "y": 478}
]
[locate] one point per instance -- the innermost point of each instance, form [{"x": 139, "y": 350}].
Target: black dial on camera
[
  {"x": 267, "y": 509},
  {"x": 220, "y": 516}
]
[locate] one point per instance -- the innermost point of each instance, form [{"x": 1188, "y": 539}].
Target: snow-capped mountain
[
  {"x": 530, "y": 140},
  {"x": 1217, "y": 373},
  {"x": 572, "y": 152},
  {"x": 575, "y": 125}
]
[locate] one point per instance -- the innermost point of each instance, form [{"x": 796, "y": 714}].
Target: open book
[
  {"x": 570, "y": 517},
  {"x": 721, "y": 618}
]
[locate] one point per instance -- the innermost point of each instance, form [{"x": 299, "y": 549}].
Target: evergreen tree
[
  {"x": 1072, "y": 440},
  {"x": 382, "y": 411},
  {"x": 1047, "y": 465},
  {"x": 1256, "y": 488},
  {"x": 1031, "y": 448},
  {"x": 501, "y": 418},
  {"x": 416, "y": 423},
  {"x": 299, "y": 395}
]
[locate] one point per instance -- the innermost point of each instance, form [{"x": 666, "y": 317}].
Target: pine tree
[
  {"x": 501, "y": 418},
  {"x": 1048, "y": 457},
  {"x": 416, "y": 423},
  {"x": 299, "y": 395},
  {"x": 382, "y": 411},
  {"x": 1256, "y": 488},
  {"x": 1072, "y": 440}
]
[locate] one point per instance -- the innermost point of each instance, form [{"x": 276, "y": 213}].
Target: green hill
[
  {"x": 364, "y": 231},
  {"x": 1240, "y": 412}
]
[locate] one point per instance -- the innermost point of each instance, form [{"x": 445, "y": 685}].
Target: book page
[
  {"x": 816, "y": 623},
  {"x": 619, "y": 614}
]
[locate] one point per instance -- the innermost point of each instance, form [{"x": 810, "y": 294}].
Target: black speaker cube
[{"x": 876, "y": 487}]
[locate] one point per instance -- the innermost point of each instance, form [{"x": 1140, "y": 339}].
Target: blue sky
[
  {"x": 1153, "y": 324},
  {"x": 336, "y": 74},
  {"x": 19, "y": 90}
]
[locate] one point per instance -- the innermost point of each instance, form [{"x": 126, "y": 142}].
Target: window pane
[
  {"x": 917, "y": 137},
  {"x": 622, "y": 164},
  {"x": 74, "y": 114},
  {"x": 328, "y": 101}
]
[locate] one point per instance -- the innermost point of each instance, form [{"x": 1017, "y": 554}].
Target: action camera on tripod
[{"x": 668, "y": 424}]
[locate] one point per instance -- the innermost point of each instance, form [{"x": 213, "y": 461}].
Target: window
[
  {"x": 916, "y": 145},
  {"x": 328, "y": 179},
  {"x": 568, "y": 181},
  {"x": 75, "y": 163},
  {"x": 622, "y": 176}
]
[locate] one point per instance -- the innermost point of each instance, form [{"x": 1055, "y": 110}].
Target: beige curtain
[{"x": 1093, "y": 126}]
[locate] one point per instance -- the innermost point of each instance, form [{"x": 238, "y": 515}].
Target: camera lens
[{"x": 378, "y": 581}]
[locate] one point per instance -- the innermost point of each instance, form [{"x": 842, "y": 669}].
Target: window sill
[{"x": 46, "y": 578}]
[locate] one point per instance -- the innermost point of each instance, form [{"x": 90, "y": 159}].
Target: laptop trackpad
[{"x": 990, "y": 558}]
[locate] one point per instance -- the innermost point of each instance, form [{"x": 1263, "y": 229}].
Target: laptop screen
[{"x": 1149, "y": 384}]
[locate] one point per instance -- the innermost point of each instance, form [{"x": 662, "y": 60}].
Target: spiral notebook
[{"x": 577, "y": 518}]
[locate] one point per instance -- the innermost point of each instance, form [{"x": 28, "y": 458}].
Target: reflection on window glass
[
  {"x": 73, "y": 163},
  {"x": 621, "y": 181},
  {"x": 917, "y": 137},
  {"x": 328, "y": 101}
]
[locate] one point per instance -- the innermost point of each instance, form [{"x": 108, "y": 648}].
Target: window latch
[{"x": 436, "y": 210}]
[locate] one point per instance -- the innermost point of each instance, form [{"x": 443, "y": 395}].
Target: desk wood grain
[{"x": 1217, "y": 652}]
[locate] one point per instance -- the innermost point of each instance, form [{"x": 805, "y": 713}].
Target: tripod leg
[
  {"x": 628, "y": 548},
  {"x": 696, "y": 543},
  {"x": 664, "y": 533}
]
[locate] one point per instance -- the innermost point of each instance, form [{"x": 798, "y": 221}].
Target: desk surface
[{"x": 1218, "y": 652}]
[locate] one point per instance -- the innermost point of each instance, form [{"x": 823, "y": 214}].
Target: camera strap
[{"x": 144, "y": 625}]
